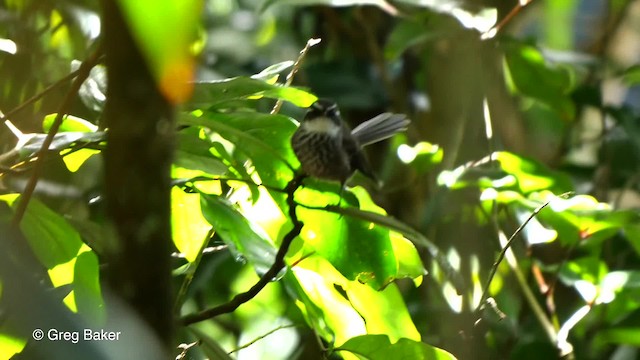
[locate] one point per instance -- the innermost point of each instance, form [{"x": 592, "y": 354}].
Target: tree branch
[
  {"x": 273, "y": 271},
  {"x": 81, "y": 76}
]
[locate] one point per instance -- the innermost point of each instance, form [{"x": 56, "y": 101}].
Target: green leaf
[
  {"x": 324, "y": 307},
  {"x": 631, "y": 76},
  {"x": 531, "y": 175},
  {"x": 384, "y": 311},
  {"x": 70, "y": 123},
  {"x": 189, "y": 227},
  {"x": 210, "y": 93},
  {"x": 378, "y": 347},
  {"x": 265, "y": 139},
  {"x": 58, "y": 246},
  {"x": 533, "y": 77},
  {"x": 11, "y": 345},
  {"x": 195, "y": 153},
  {"x": 246, "y": 239},
  {"x": 360, "y": 250}
]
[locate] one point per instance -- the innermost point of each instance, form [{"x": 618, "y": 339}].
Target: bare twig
[
  {"x": 494, "y": 268},
  {"x": 83, "y": 74},
  {"x": 262, "y": 337},
  {"x": 294, "y": 70},
  {"x": 273, "y": 271},
  {"x": 185, "y": 348}
]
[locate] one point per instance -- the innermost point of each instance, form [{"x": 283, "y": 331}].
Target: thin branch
[
  {"x": 273, "y": 271},
  {"x": 83, "y": 74},
  {"x": 507, "y": 246},
  {"x": 500, "y": 25},
  {"x": 39, "y": 96},
  {"x": 262, "y": 337},
  {"x": 294, "y": 70}
]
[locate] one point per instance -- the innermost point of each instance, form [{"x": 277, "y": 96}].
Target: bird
[{"x": 328, "y": 149}]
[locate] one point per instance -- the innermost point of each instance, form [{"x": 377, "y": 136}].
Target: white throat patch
[{"x": 321, "y": 125}]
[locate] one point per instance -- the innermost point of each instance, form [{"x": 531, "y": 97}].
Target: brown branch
[
  {"x": 267, "y": 277},
  {"x": 500, "y": 25},
  {"x": 82, "y": 74}
]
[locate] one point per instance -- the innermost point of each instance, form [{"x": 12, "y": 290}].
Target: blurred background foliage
[{"x": 518, "y": 109}]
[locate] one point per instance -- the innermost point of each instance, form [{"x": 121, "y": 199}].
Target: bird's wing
[{"x": 380, "y": 127}]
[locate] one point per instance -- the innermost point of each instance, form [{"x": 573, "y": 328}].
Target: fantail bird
[{"x": 328, "y": 149}]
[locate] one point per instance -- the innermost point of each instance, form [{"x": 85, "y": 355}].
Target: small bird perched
[{"x": 328, "y": 149}]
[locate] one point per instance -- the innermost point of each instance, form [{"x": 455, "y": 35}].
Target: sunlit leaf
[
  {"x": 263, "y": 138},
  {"x": 378, "y": 347},
  {"x": 58, "y": 246},
  {"x": 190, "y": 228},
  {"x": 384, "y": 311},
  {"x": 214, "y": 92},
  {"x": 247, "y": 240}
]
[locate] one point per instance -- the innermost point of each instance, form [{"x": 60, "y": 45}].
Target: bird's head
[{"x": 323, "y": 117}]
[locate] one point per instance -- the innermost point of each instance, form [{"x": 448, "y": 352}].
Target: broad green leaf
[
  {"x": 247, "y": 240},
  {"x": 360, "y": 250},
  {"x": 11, "y": 345},
  {"x": 70, "y": 123},
  {"x": 165, "y": 30},
  {"x": 210, "y": 93},
  {"x": 58, "y": 246},
  {"x": 408, "y": 260},
  {"x": 264, "y": 139},
  {"x": 75, "y": 159},
  {"x": 190, "y": 228},
  {"x": 195, "y": 153},
  {"x": 86, "y": 286},
  {"x": 384, "y": 311},
  {"x": 531, "y": 175},
  {"x": 533, "y": 77},
  {"x": 378, "y": 347},
  {"x": 325, "y": 308}
]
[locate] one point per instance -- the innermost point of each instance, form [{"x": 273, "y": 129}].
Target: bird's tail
[{"x": 380, "y": 127}]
